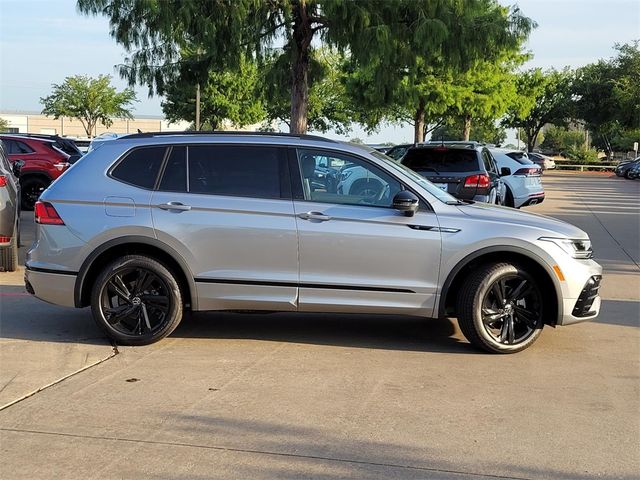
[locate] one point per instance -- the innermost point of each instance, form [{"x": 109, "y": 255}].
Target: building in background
[{"x": 34, "y": 122}]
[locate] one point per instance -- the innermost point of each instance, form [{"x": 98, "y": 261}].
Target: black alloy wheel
[
  {"x": 500, "y": 308},
  {"x": 136, "y": 301}
]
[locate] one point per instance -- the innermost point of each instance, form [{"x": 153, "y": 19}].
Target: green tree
[
  {"x": 607, "y": 96},
  {"x": 329, "y": 107},
  {"x": 486, "y": 131},
  {"x": 4, "y": 125},
  {"x": 227, "y": 95},
  {"x": 90, "y": 100},
  {"x": 387, "y": 34},
  {"x": 542, "y": 98},
  {"x": 560, "y": 140}
]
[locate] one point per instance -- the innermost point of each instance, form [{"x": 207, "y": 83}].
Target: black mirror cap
[
  {"x": 17, "y": 166},
  {"x": 505, "y": 171},
  {"x": 405, "y": 201}
]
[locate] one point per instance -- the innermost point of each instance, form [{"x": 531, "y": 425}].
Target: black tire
[
  {"x": 9, "y": 255},
  {"x": 509, "y": 202},
  {"x": 507, "y": 326},
  {"x": 146, "y": 310},
  {"x": 31, "y": 188}
]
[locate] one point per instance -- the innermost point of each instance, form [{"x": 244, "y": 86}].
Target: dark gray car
[
  {"x": 466, "y": 170},
  {"x": 9, "y": 212}
]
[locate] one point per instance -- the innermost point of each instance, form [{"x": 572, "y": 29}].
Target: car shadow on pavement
[{"x": 388, "y": 332}]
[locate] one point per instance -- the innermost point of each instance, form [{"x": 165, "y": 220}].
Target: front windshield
[{"x": 423, "y": 182}]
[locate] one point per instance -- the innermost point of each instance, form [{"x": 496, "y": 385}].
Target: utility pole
[{"x": 198, "y": 107}]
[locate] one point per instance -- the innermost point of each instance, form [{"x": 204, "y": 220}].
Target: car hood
[{"x": 502, "y": 215}]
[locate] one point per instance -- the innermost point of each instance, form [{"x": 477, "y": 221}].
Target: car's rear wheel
[
  {"x": 500, "y": 308},
  {"x": 9, "y": 255},
  {"x": 31, "y": 188},
  {"x": 136, "y": 300},
  {"x": 509, "y": 202}
]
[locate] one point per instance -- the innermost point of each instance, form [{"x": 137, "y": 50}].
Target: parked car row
[
  {"x": 148, "y": 226},
  {"x": 629, "y": 169}
]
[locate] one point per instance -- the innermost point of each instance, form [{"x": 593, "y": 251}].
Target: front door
[
  {"x": 357, "y": 254},
  {"x": 228, "y": 211}
]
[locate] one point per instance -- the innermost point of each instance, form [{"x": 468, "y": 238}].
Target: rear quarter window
[
  {"x": 452, "y": 160},
  {"x": 140, "y": 167}
]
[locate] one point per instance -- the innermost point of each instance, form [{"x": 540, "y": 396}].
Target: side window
[
  {"x": 21, "y": 147},
  {"x": 489, "y": 164},
  {"x": 10, "y": 146},
  {"x": 233, "y": 170},
  {"x": 174, "y": 178},
  {"x": 140, "y": 167},
  {"x": 350, "y": 180}
]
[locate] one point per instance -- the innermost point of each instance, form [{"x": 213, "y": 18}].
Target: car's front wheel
[
  {"x": 136, "y": 300},
  {"x": 500, "y": 308}
]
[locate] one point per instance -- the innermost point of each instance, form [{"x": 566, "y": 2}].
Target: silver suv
[{"x": 150, "y": 225}]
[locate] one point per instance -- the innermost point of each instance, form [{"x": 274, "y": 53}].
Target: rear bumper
[{"x": 50, "y": 286}]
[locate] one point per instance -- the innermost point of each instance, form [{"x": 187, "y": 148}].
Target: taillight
[
  {"x": 46, "y": 214},
  {"x": 3, "y": 181},
  {"x": 527, "y": 171},
  {"x": 480, "y": 181}
]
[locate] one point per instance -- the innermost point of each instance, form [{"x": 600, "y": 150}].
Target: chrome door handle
[
  {"x": 174, "y": 206},
  {"x": 319, "y": 216}
]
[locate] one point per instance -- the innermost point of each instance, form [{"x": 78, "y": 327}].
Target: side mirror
[
  {"x": 505, "y": 171},
  {"x": 74, "y": 158},
  {"x": 406, "y": 202},
  {"x": 17, "y": 166}
]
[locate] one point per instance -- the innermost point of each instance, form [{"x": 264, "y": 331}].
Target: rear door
[
  {"x": 227, "y": 210},
  {"x": 357, "y": 254}
]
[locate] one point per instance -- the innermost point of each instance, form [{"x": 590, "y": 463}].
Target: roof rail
[{"x": 225, "y": 133}]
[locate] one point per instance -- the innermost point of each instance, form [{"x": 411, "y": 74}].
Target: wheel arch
[
  {"x": 542, "y": 272},
  {"x": 133, "y": 245}
]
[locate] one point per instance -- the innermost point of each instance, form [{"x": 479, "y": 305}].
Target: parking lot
[{"x": 334, "y": 396}]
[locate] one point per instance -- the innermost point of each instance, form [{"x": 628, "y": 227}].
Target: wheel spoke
[
  {"x": 528, "y": 317},
  {"x": 162, "y": 300},
  {"x": 510, "y": 329},
  {"x": 119, "y": 313},
  {"x": 146, "y": 316},
  {"x": 120, "y": 288},
  {"x": 517, "y": 292},
  {"x": 498, "y": 291},
  {"x": 489, "y": 315}
]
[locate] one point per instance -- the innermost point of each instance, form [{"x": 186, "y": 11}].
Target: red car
[{"x": 45, "y": 158}]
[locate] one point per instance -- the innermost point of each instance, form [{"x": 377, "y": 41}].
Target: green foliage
[
  {"x": 581, "y": 155},
  {"x": 560, "y": 140},
  {"x": 329, "y": 107},
  {"x": 90, "y": 100},
  {"x": 4, "y": 125},
  {"x": 623, "y": 140},
  {"x": 230, "y": 95},
  {"x": 387, "y": 37},
  {"x": 485, "y": 131},
  {"x": 608, "y": 96},
  {"x": 542, "y": 98}
]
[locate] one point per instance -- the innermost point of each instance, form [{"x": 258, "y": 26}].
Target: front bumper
[
  {"x": 586, "y": 306},
  {"x": 52, "y": 287}
]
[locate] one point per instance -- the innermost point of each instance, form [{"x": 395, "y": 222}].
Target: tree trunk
[
  {"x": 302, "y": 35},
  {"x": 198, "y": 107},
  {"x": 466, "y": 133},
  {"x": 532, "y": 136},
  {"x": 419, "y": 131}
]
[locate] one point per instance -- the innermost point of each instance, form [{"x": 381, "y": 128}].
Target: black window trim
[{"x": 296, "y": 178}]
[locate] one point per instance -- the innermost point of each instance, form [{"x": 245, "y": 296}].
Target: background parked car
[
  {"x": 523, "y": 186},
  {"x": 466, "y": 170},
  {"x": 633, "y": 173},
  {"x": 623, "y": 167},
  {"x": 45, "y": 158},
  {"x": 9, "y": 212},
  {"x": 544, "y": 162}
]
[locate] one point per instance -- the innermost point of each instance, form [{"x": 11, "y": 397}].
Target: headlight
[{"x": 577, "y": 248}]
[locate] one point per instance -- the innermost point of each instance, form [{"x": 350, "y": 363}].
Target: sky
[{"x": 44, "y": 41}]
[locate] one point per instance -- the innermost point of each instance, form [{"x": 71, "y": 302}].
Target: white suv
[{"x": 524, "y": 185}]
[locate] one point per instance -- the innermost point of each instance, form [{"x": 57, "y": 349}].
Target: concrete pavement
[{"x": 316, "y": 396}]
